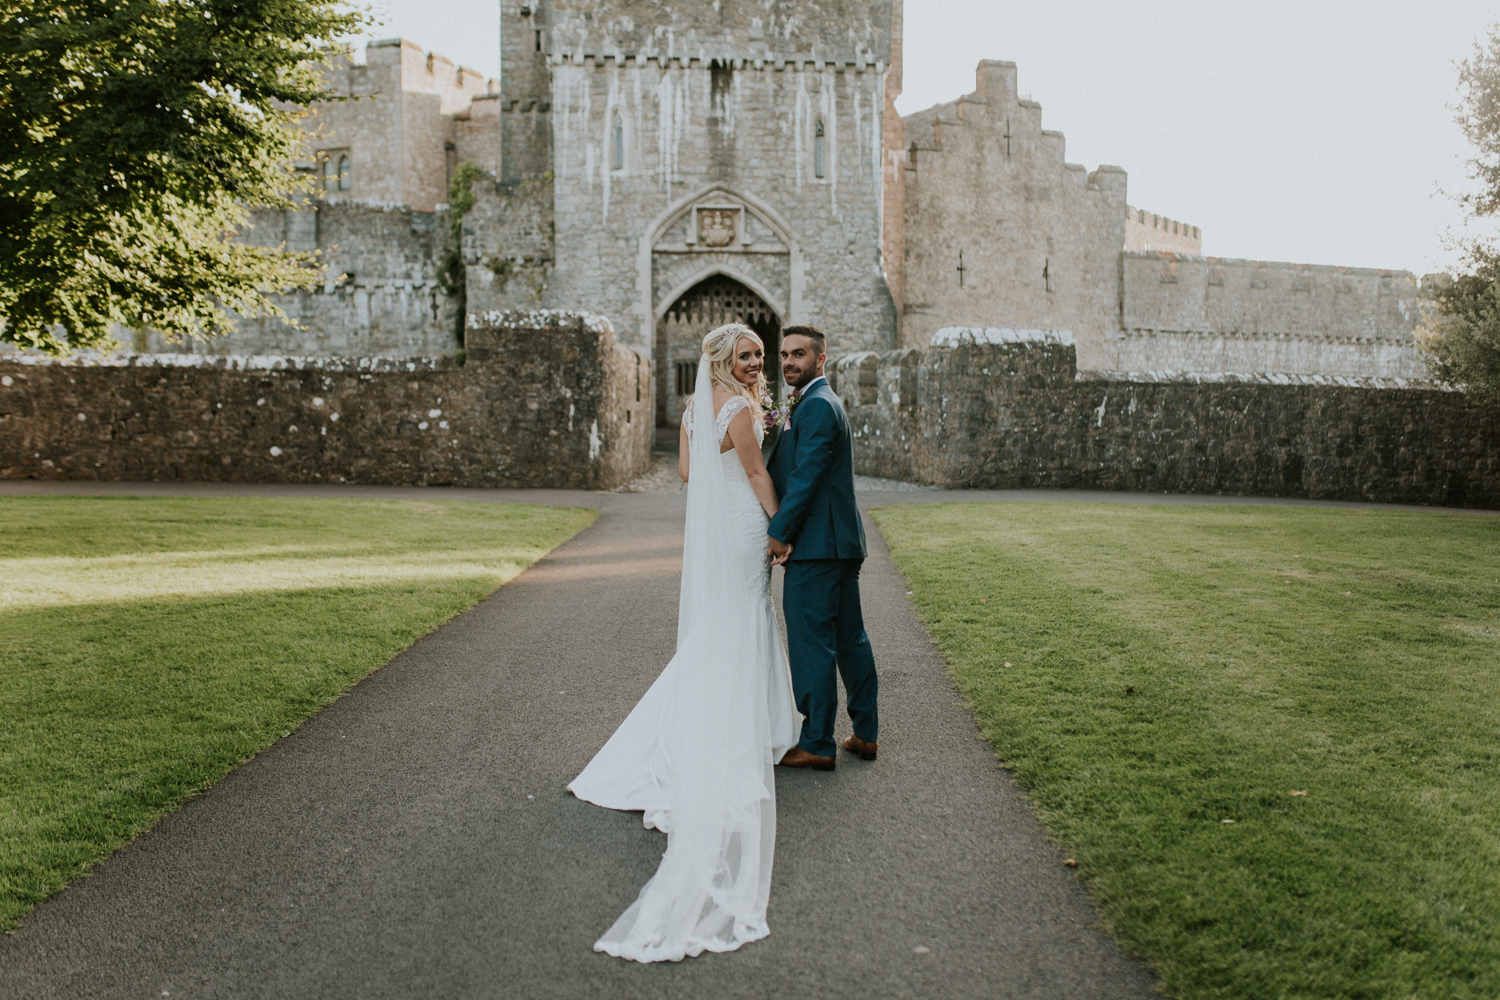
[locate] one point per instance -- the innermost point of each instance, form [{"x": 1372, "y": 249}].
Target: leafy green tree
[
  {"x": 133, "y": 134},
  {"x": 1461, "y": 334}
]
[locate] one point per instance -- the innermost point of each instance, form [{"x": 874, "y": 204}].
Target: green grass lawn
[
  {"x": 1153, "y": 673},
  {"x": 147, "y": 646}
]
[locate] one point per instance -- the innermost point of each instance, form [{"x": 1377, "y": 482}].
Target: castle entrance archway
[
  {"x": 711, "y": 303},
  {"x": 714, "y": 257}
]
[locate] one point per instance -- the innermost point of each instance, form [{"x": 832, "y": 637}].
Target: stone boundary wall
[
  {"x": 545, "y": 399},
  {"x": 1182, "y": 312},
  {"x": 1007, "y": 416}
]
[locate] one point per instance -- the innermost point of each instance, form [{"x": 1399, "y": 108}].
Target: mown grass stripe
[{"x": 1173, "y": 667}]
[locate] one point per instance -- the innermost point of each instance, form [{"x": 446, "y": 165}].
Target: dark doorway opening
[{"x": 710, "y": 303}]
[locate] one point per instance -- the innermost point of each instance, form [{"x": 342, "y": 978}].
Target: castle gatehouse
[{"x": 671, "y": 165}]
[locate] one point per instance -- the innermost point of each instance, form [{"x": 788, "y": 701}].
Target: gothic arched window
[
  {"x": 342, "y": 177},
  {"x": 820, "y": 150},
  {"x": 617, "y": 143}
]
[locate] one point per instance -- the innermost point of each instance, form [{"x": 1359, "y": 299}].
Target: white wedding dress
[{"x": 696, "y": 754}]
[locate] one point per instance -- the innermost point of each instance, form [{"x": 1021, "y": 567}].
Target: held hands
[{"x": 780, "y": 551}]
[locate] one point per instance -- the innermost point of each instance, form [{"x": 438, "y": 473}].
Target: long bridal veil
[{"x": 696, "y": 754}]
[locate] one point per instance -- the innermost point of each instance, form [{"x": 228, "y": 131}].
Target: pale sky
[{"x": 1294, "y": 130}]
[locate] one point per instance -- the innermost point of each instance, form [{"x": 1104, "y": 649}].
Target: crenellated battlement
[
  {"x": 1148, "y": 231},
  {"x": 846, "y": 32},
  {"x": 657, "y": 60},
  {"x": 416, "y": 71},
  {"x": 1184, "y": 312},
  {"x": 410, "y": 123},
  {"x": 1000, "y": 227}
]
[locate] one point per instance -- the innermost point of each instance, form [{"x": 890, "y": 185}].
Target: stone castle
[{"x": 672, "y": 164}]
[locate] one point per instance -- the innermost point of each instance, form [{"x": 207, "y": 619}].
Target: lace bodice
[{"x": 732, "y": 406}]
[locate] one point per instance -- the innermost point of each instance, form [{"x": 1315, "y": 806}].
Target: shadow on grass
[
  {"x": 116, "y": 712},
  {"x": 148, "y": 645}
]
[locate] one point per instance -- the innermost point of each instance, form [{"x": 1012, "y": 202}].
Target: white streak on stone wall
[
  {"x": 769, "y": 103},
  {"x": 633, "y": 148},
  {"x": 859, "y": 121},
  {"x": 801, "y": 116},
  {"x": 829, "y": 105},
  {"x": 674, "y": 103},
  {"x": 878, "y": 166},
  {"x": 564, "y": 82},
  {"x": 612, "y": 106},
  {"x": 585, "y": 112},
  {"x": 731, "y": 112}
]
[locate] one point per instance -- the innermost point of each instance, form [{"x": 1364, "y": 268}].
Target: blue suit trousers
[{"x": 826, "y": 632}]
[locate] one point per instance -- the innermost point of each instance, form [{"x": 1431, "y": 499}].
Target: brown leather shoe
[
  {"x": 798, "y": 757},
  {"x": 865, "y": 750}
]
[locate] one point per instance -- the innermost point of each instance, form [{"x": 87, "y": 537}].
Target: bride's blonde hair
[{"x": 720, "y": 346}]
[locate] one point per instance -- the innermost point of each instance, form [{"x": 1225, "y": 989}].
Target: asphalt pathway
[{"x": 414, "y": 839}]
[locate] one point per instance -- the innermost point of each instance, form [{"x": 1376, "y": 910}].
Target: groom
[{"x": 818, "y": 537}]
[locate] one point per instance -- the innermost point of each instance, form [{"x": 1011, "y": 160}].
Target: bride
[{"x": 696, "y": 753}]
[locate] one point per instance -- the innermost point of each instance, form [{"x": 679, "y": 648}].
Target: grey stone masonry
[
  {"x": 1018, "y": 414},
  {"x": 546, "y": 399},
  {"x": 1187, "y": 313},
  {"x": 1148, "y": 231},
  {"x": 635, "y": 150},
  {"x": 690, "y": 140},
  {"x": 381, "y": 296},
  {"x": 509, "y": 244},
  {"x": 396, "y": 136},
  {"x": 1000, "y": 228}
]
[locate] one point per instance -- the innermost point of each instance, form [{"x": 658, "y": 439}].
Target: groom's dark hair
[{"x": 819, "y": 342}]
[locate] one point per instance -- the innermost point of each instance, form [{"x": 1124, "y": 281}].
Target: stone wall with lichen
[
  {"x": 1017, "y": 415},
  {"x": 544, "y": 399}
]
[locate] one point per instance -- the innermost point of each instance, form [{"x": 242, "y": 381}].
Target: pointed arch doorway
[{"x": 711, "y": 303}]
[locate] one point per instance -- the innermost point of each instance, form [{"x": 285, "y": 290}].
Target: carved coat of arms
[{"x": 716, "y": 226}]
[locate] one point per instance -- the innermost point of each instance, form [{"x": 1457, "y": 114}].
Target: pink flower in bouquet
[{"x": 777, "y": 414}]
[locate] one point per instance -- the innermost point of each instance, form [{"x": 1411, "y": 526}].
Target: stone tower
[{"x": 676, "y": 164}]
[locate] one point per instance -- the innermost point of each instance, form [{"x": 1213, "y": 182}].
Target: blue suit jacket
[{"x": 812, "y": 467}]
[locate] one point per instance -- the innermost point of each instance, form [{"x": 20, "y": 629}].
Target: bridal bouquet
[{"x": 777, "y": 414}]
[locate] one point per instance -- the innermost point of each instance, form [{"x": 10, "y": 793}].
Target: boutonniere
[{"x": 778, "y": 414}]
